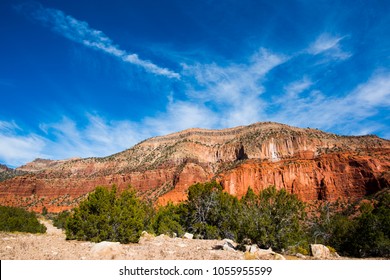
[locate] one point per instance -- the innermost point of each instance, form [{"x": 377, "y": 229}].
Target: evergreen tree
[
  {"x": 169, "y": 220},
  {"x": 273, "y": 218},
  {"x": 106, "y": 216},
  {"x": 18, "y": 219},
  {"x": 210, "y": 211}
]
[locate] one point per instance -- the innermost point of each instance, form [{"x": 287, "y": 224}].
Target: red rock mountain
[{"x": 310, "y": 163}]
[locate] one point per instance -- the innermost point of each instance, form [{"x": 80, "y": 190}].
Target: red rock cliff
[{"x": 313, "y": 164}]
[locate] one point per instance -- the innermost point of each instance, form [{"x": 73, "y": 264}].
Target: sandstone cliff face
[
  {"x": 310, "y": 163},
  {"x": 327, "y": 177}
]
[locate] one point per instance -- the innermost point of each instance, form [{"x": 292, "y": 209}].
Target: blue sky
[{"x": 92, "y": 78}]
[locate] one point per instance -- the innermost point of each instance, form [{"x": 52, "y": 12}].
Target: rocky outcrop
[
  {"x": 7, "y": 173},
  {"x": 321, "y": 252},
  {"x": 40, "y": 164},
  {"x": 326, "y": 177},
  {"x": 310, "y": 163}
]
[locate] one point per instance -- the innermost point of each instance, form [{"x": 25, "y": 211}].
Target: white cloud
[
  {"x": 348, "y": 111},
  {"x": 16, "y": 149},
  {"x": 328, "y": 45},
  {"x": 216, "y": 95},
  {"x": 8, "y": 126},
  {"x": 98, "y": 137},
  {"x": 230, "y": 97},
  {"x": 80, "y": 32},
  {"x": 294, "y": 89},
  {"x": 233, "y": 90},
  {"x": 376, "y": 92},
  {"x": 65, "y": 139},
  {"x": 180, "y": 115}
]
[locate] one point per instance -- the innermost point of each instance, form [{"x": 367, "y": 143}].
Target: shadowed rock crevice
[
  {"x": 322, "y": 190},
  {"x": 240, "y": 154},
  {"x": 374, "y": 185}
]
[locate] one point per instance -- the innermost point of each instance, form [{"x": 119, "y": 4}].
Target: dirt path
[{"x": 50, "y": 229}]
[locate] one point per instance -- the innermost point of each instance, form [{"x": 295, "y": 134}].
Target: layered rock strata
[{"x": 310, "y": 163}]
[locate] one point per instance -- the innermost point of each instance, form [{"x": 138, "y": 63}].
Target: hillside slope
[{"x": 310, "y": 163}]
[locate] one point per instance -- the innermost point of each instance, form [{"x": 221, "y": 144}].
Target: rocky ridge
[
  {"x": 40, "y": 164},
  {"x": 311, "y": 163},
  {"x": 7, "y": 173}
]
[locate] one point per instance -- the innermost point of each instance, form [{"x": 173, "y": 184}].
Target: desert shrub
[
  {"x": 169, "y": 220},
  {"x": 106, "y": 216},
  {"x": 330, "y": 224},
  {"x": 299, "y": 249},
  {"x": 273, "y": 218},
  {"x": 361, "y": 232},
  {"x": 371, "y": 235},
  {"x": 18, "y": 219},
  {"x": 331, "y": 249},
  {"x": 210, "y": 212}
]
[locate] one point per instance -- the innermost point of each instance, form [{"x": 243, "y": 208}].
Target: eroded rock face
[
  {"x": 310, "y": 163},
  {"x": 327, "y": 177}
]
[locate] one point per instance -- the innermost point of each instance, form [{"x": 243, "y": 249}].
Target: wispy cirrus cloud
[
  {"x": 375, "y": 92},
  {"x": 212, "y": 95},
  {"x": 80, "y": 32},
  {"x": 97, "y": 137},
  {"x": 302, "y": 105},
  {"x": 15, "y": 147},
  {"x": 66, "y": 138},
  {"x": 229, "y": 97},
  {"x": 180, "y": 115},
  {"x": 346, "y": 112},
  {"x": 234, "y": 90},
  {"x": 293, "y": 89},
  {"x": 328, "y": 45}
]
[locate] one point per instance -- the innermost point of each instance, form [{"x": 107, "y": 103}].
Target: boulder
[
  {"x": 228, "y": 246},
  {"x": 188, "y": 236},
  {"x": 320, "y": 251},
  {"x": 107, "y": 250},
  {"x": 264, "y": 251},
  {"x": 253, "y": 248}
]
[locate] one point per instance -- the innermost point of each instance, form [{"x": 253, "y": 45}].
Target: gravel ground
[{"x": 52, "y": 245}]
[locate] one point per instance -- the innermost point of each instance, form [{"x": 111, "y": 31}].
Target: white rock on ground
[
  {"x": 320, "y": 251},
  {"x": 188, "y": 236},
  {"x": 107, "y": 249}
]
